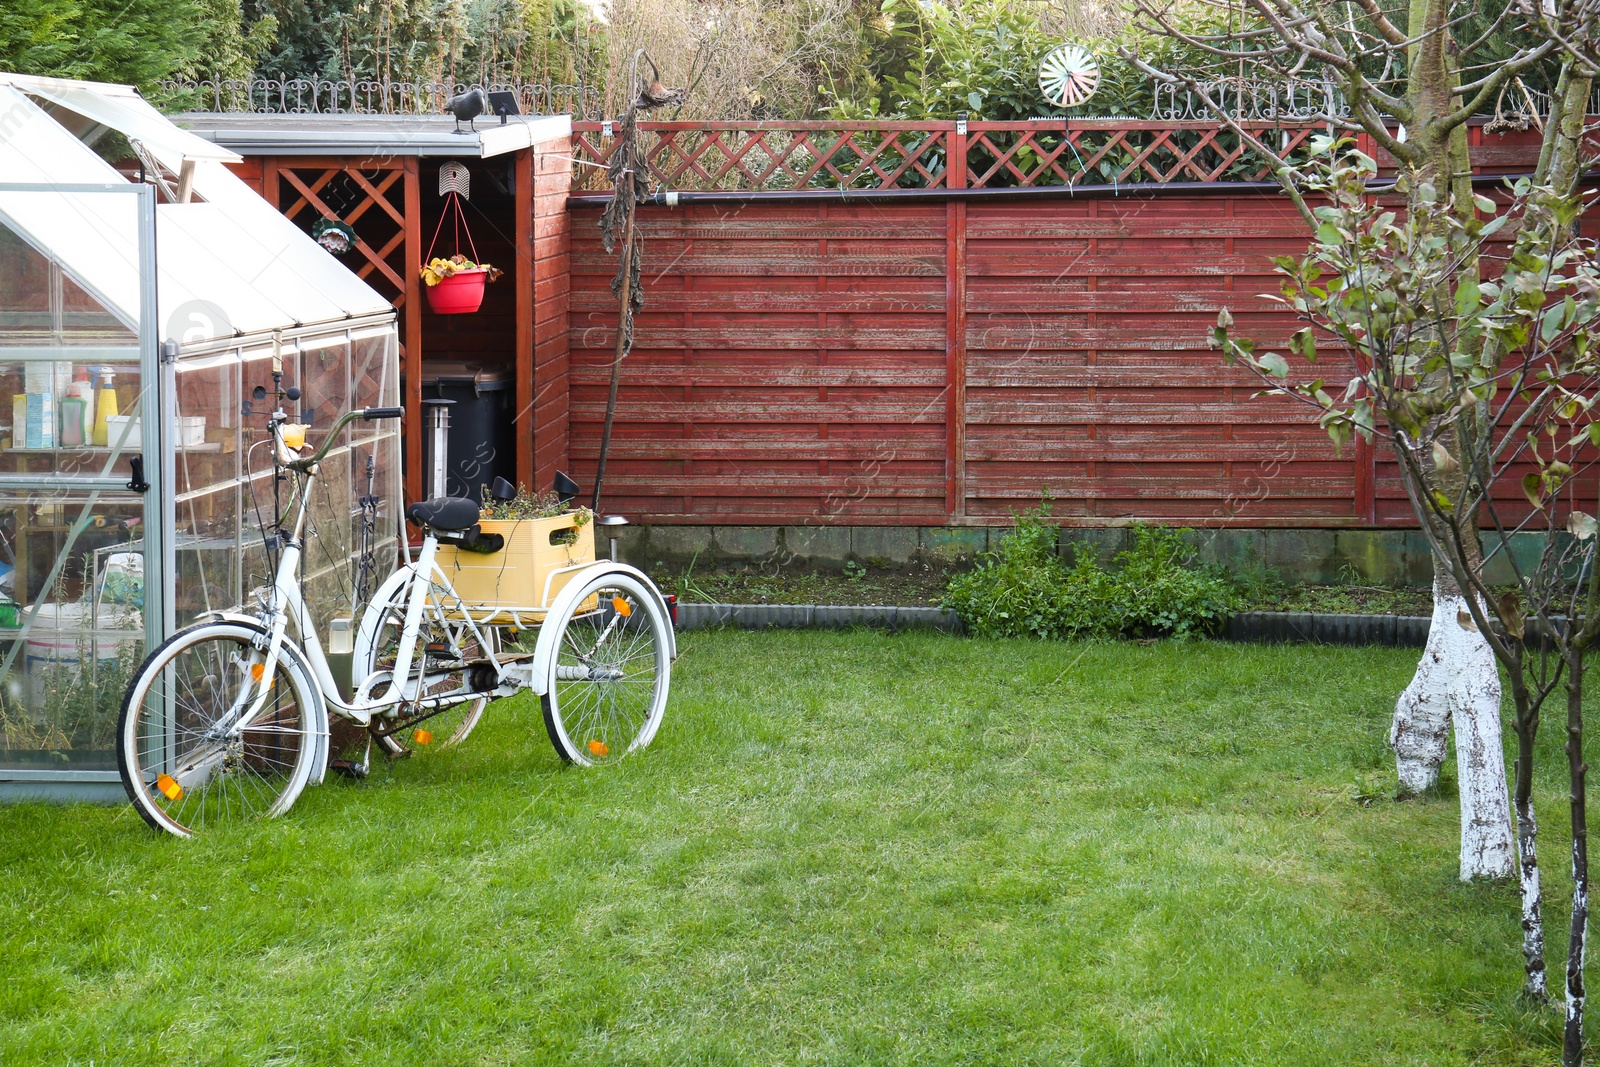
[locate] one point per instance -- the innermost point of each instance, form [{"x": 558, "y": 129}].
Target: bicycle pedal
[{"x": 349, "y": 768}]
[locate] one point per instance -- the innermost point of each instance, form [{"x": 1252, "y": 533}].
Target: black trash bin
[{"x": 482, "y": 425}]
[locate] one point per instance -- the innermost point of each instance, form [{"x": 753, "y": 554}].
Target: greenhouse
[{"x": 151, "y": 304}]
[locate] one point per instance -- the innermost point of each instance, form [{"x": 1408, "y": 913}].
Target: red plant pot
[{"x": 459, "y": 294}]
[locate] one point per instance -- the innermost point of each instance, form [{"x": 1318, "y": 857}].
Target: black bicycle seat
[{"x": 448, "y": 513}]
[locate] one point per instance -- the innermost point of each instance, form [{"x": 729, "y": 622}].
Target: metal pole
[{"x": 438, "y": 420}]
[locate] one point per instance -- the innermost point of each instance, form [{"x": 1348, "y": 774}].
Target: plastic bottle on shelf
[
  {"x": 105, "y": 407},
  {"x": 72, "y": 410},
  {"x": 80, "y": 389}
]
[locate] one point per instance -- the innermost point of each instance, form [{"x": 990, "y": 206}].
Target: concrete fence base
[
  {"x": 1318, "y": 557},
  {"x": 815, "y": 617}
]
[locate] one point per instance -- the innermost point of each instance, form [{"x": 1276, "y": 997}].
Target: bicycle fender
[
  {"x": 372, "y": 619},
  {"x": 545, "y": 650},
  {"x": 291, "y": 651}
]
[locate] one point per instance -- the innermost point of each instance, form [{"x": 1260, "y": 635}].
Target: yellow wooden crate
[{"x": 523, "y": 577}]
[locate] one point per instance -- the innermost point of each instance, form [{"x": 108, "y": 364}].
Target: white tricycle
[{"x": 227, "y": 720}]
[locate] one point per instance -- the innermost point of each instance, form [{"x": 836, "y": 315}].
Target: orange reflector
[
  {"x": 257, "y": 670},
  {"x": 599, "y": 748},
  {"x": 169, "y": 786},
  {"x": 422, "y": 737},
  {"x": 622, "y": 607}
]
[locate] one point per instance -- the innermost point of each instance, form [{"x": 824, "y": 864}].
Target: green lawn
[{"x": 842, "y": 848}]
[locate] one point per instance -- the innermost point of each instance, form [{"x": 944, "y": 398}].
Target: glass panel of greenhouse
[{"x": 136, "y": 486}]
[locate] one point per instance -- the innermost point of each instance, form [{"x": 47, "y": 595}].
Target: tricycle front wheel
[{"x": 192, "y": 756}]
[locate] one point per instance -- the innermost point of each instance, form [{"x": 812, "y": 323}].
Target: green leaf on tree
[
  {"x": 1303, "y": 343},
  {"x": 1552, "y": 325},
  {"x": 1273, "y": 364},
  {"x": 1533, "y": 489}
]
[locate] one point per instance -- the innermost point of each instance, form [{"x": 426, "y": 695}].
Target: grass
[{"x": 842, "y": 849}]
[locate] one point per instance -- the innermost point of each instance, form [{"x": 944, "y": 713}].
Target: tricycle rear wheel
[
  {"x": 441, "y": 642},
  {"x": 607, "y": 687}
]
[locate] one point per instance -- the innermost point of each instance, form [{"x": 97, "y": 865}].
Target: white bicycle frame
[
  {"x": 426, "y": 580},
  {"x": 287, "y": 603}
]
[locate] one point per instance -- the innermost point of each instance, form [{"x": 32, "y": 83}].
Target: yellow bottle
[{"x": 105, "y": 406}]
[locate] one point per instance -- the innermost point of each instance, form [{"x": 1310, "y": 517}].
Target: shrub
[
  {"x": 1160, "y": 590},
  {"x": 1024, "y": 590},
  {"x": 1015, "y": 592}
]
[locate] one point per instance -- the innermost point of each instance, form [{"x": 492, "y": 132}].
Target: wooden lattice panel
[
  {"x": 368, "y": 198},
  {"x": 934, "y": 155},
  {"x": 1010, "y": 157},
  {"x": 726, "y": 155}
]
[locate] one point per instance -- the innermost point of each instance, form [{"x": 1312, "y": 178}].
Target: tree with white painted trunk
[
  {"x": 1410, "y": 78},
  {"x": 1411, "y": 84},
  {"x": 1514, "y": 364},
  {"x": 1458, "y": 683}
]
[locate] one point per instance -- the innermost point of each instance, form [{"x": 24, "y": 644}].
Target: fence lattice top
[{"x": 878, "y": 156}]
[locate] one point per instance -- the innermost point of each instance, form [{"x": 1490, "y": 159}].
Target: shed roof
[
  {"x": 396, "y": 135},
  {"x": 229, "y": 265}
]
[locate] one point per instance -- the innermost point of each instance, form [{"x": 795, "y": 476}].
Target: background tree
[
  {"x": 1411, "y": 85},
  {"x": 981, "y": 58},
  {"x": 482, "y": 41},
  {"x": 137, "y": 42},
  {"x": 737, "y": 59}
]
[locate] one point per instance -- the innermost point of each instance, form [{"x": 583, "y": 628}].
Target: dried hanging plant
[{"x": 627, "y": 173}]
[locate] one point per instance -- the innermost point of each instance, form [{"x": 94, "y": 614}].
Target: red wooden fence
[{"x": 941, "y": 358}]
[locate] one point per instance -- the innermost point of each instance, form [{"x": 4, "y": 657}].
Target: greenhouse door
[{"x": 84, "y": 535}]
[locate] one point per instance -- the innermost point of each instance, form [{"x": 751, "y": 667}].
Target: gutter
[
  {"x": 1131, "y": 190},
  {"x": 864, "y": 196}
]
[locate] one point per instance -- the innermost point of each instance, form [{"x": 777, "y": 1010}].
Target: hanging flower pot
[
  {"x": 455, "y": 285},
  {"x": 459, "y": 292}
]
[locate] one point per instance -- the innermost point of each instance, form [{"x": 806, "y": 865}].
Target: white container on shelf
[
  {"x": 117, "y": 425},
  {"x": 61, "y": 633},
  {"x": 190, "y": 430}
]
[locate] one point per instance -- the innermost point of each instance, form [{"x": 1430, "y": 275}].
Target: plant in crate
[{"x": 540, "y": 545}]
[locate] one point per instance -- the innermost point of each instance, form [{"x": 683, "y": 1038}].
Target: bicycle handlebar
[{"x": 305, "y": 465}]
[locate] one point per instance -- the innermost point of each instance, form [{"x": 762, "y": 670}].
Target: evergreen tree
[
  {"x": 135, "y": 42},
  {"x": 467, "y": 41}
]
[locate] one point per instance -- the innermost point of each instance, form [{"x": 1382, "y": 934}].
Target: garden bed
[
  {"x": 920, "y": 586},
  {"x": 924, "y": 586}
]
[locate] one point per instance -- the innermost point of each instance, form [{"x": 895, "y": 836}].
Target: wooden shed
[{"x": 379, "y": 174}]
